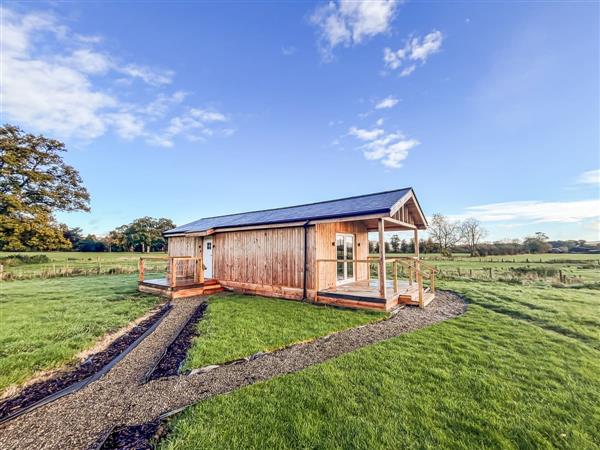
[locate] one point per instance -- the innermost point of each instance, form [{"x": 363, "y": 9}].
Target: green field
[
  {"x": 236, "y": 326},
  {"x": 577, "y": 268},
  {"x": 45, "y": 323},
  {"x": 77, "y": 263},
  {"x": 518, "y": 370}
]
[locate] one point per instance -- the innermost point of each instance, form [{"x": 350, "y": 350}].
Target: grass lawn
[
  {"x": 240, "y": 325},
  {"x": 45, "y": 323},
  {"x": 518, "y": 370}
]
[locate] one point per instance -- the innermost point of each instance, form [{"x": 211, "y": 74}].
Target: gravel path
[{"x": 119, "y": 398}]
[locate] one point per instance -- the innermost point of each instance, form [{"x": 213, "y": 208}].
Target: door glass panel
[
  {"x": 340, "y": 271},
  {"x": 349, "y": 255},
  {"x": 339, "y": 243}
]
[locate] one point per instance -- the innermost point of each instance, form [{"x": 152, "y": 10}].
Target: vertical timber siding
[
  {"x": 268, "y": 261},
  {"x": 325, "y": 245},
  {"x": 184, "y": 246}
]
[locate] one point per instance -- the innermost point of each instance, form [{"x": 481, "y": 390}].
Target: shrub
[{"x": 17, "y": 260}]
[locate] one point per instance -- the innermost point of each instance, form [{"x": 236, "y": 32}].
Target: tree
[
  {"x": 73, "y": 235},
  {"x": 444, "y": 232},
  {"x": 472, "y": 232},
  {"x": 403, "y": 246},
  {"x": 90, "y": 244},
  {"x": 537, "y": 243},
  {"x": 143, "y": 234},
  {"x": 35, "y": 182},
  {"x": 395, "y": 243}
]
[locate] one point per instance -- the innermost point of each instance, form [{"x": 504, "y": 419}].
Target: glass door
[{"x": 344, "y": 244}]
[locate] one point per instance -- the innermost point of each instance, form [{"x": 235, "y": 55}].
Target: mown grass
[
  {"x": 45, "y": 323},
  {"x": 518, "y": 370},
  {"x": 240, "y": 325}
]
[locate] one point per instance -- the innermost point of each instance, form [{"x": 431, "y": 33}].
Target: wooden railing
[
  {"x": 410, "y": 268},
  {"x": 178, "y": 268}
]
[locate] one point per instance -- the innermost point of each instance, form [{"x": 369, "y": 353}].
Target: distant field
[
  {"x": 79, "y": 263},
  {"x": 584, "y": 267}
]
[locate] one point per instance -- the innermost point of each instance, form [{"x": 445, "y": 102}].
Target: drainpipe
[{"x": 305, "y": 226}]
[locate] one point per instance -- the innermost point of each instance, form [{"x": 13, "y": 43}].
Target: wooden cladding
[
  {"x": 268, "y": 257},
  {"x": 185, "y": 246},
  {"x": 272, "y": 259},
  {"x": 325, "y": 248}
]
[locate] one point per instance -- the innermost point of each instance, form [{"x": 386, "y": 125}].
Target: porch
[
  {"x": 406, "y": 281},
  {"x": 183, "y": 277}
]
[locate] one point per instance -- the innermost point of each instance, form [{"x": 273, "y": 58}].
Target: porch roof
[{"x": 362, "y": 205}]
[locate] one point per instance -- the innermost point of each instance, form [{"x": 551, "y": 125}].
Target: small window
[{"x": 208, "y": 245}]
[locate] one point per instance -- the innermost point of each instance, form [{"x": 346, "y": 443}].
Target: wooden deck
[
  {"x": 185, "y": 287},
  {"x": 366, "y": 294}
]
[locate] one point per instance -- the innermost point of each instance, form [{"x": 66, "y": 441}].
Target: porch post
[
  {"x": 382, "y": 273},
  {"x": 418, "y": 269}
]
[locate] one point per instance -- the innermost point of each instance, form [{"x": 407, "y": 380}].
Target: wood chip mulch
[{"x": 121, "y": 401}]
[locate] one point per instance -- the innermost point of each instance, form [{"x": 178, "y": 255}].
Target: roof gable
[{"x": 381, "y": 202}]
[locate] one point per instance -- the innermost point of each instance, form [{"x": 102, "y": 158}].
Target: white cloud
[
  {"x": 389, "y": 102},
  {"x": 348, "y": 22},
  {"x": 148, "y": 75},
  {"x": 535, "y": 211},
  {"x": 57, "y": 82},
  {"x": 415, "y": 50},
  {"x": 288, "y": 51},
  {"x": 365, "y": 135},
  {"x": 589, "y": 177},
  {"x": 391, "y": 148}
]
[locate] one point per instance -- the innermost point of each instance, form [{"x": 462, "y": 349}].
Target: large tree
[
  {"x": 472, "y": 232},
  {"x": 34, "y": 183},
  {"x": 143, "y": 234},
  {"x": 444, "y": 232}
]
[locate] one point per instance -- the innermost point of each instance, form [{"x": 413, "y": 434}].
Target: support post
[
  {"x": 382, "y": 274},
  {"x": 395, "y": 276},
  {"x": 141, "y": 270},
  {"x": 418, "y": 268},
  {"x": 317, "y": 276},
  {"x": 172, "y": 272}
]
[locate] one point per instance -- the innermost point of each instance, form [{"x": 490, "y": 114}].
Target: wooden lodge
[{"x": 317, "y": 252}]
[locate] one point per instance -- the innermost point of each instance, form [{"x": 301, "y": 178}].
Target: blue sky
[{"x": 189, "y": 109}]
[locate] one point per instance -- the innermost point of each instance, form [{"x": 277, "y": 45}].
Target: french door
[{"x": 344, "y": 254}]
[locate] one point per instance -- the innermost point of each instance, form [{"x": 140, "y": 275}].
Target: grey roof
[{"x": 377, "y": 203}]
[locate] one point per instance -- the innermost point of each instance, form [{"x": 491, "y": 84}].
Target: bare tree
[
  {"x": 444, "y": 232},
  {"x": 472, "y": 232}
]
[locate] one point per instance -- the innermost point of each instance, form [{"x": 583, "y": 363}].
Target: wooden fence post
[
  {"x": 395, "y": 269},
  {"x": 140, "y": 270}
]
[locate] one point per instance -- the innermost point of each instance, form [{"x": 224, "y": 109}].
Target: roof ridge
[{"x": 304, "y": 204}]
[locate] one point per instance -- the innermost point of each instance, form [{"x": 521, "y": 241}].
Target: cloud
[
  {"x": 415, "y": 51},
  {"x": 589, "y": 177},
  {"x": 148, "y": 75},
  {"x": 389, "y": 102},
  {"x": 349, "y": 22},
  {"x": 391, "y": 148},
  {"x": 61, "y": 83},
  {"x": 288, "y": 51},
  {"x": 365, "y": 135},
  {"x": 535, "y": 211}
]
